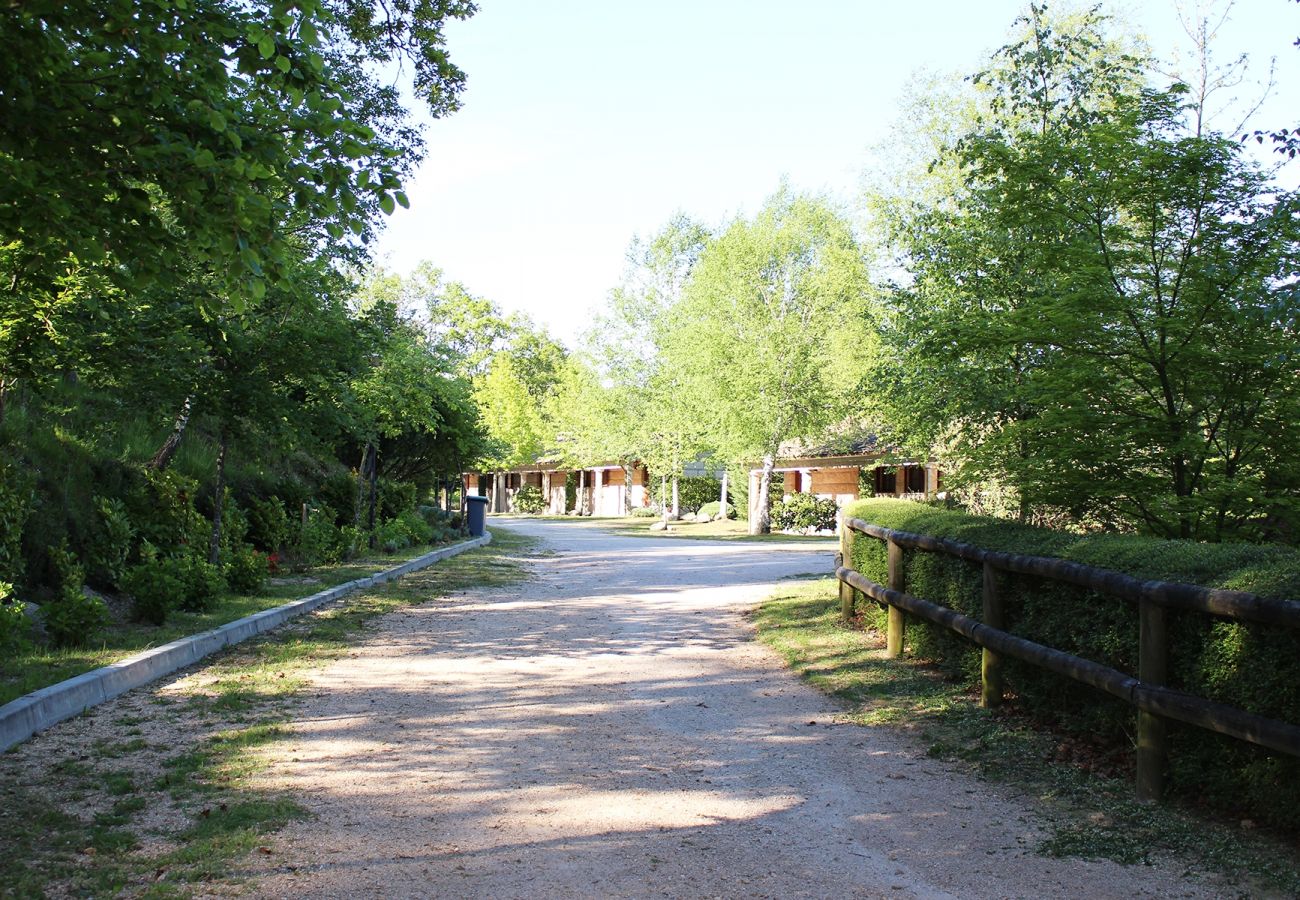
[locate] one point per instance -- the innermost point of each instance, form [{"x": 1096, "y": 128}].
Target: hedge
[{"x": 1254, "y": 667}]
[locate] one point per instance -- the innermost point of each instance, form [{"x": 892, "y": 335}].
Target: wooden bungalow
[
  {"x": 844, "y": 474},
  {"x": 599, "y": 490}
]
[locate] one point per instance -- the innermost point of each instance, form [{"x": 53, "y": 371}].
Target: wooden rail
[{"x": 1154, "y": 701}]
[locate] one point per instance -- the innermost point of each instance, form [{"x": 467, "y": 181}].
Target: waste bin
[{"x": 476, "y": 514}]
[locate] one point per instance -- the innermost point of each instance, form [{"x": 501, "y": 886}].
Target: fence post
[
  {"x": 991, "y": 662},
  {"x": 846, "y": 559},
  {"x": 1153, "y": 665},
  {"x": 894, "y": 634}
]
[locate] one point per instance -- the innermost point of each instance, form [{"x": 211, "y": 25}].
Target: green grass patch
[
  {"x": 56, "y": 844},
  {"x": 1084, "y": 792},
  {"x": 38, "y": 667}
]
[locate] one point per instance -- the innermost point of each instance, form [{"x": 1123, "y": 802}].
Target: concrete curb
[{"x": 24, "y": 717}]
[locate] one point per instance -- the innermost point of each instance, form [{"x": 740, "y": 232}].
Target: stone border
[{"x": 34, "y": 712}]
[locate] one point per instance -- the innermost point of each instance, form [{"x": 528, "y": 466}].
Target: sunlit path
[{"x": 609, "y": 729}]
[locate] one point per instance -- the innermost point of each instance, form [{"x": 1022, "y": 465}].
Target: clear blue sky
[{"x": 585, "y": 123}]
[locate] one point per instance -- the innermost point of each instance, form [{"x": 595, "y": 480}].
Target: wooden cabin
[{"x": 600, "y": 490}]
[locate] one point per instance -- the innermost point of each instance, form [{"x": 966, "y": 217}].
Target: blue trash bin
[{"x": 476, "y": 514}]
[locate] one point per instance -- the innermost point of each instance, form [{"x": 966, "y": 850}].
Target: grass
[
  {"x": 74, "y": 825},
  {"x": 38, "y": 667},
  {"x": 1089, "y": 815},
  {"x": 639, "y": 526}
]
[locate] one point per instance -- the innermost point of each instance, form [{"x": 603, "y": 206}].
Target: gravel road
[{"x": 609, "y": 729}]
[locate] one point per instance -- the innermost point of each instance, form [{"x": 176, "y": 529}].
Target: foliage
[
  {"x": 264, "y": 117},
  {"x": 800, "y": 511},
  {"x": 772, "y": 337},
  {"x": 13, "y": 620},
  {"x": 1100, "y": 270},
  {"x": 72, "y": 618},
  {"x": 15, "y": 503},
  {"x": 201, "y": 582},
  {"x": 246, "y": 570},
  {"x": 112, "y": 544},
  {"x": 711, "y": 509},
  {"x": 645, "y": 512},
  {"x": 528, "y": 499},
  {"x": 154, "y": 585},
  {"x": 692, "y": 492},
  {"x": 317, "y": 540},
  {"x": 268, "y": 523},
  {"x": 1252, "y": 666}
]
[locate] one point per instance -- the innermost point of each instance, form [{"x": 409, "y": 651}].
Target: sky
[{"x": 588, "y": 122}]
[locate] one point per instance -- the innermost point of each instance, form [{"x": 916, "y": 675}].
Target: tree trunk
[
  {"x": 360, "y": 502},
  {"x": 722, "y": 500},
  {"x": 761, "y": 521},
  {"x": 581, "y": 503},
  {"x": 663, "y": 497},
  {"x": 218, "y": 502},
  {"x": 627, "y": 489},
  {"x": 677, "y": 502},
  {"x": 163, "y": 457},
  {"x": 374, "y": 493}
]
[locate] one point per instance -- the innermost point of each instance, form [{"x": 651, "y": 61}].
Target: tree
[
  {"x": 773, "y": 333},
  {"x": 1101, "y": 315}
]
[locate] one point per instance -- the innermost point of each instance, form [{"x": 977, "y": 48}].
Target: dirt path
[{"x": 609, "y": 730}]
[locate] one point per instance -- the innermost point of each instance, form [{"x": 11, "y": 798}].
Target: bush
[
  {"x": 353, "y": 542},
  {"x": 268, "y": 524},
  {"x": 154, "y": 585},
  {"x": 419, "y": 530},
  {"x": 246, "y": 570},
  {"x": 1254, "y": 667},
  {"x": 111, "y": 545},
  {"x": 711, "y": 509},
  {"x": 801, "y": 511},
  {"x": 392, "y": 536},
  {"x": 201, "y": 582},
  {"x": 13, "y": 621},
  {"x": 395, "y": 498},
  {"x": 318, "y": 541},
  {"x": 15, "y": 504},
  {"x": 528, "y": 499},
  {"x": 72, "y": 618},
  {"x": 692, "y": 493},
  {"x": 646, "y": 512},
  {"x": 161, "y": 507}
]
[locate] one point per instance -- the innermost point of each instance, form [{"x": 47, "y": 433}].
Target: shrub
[
  {"x": 15, "y": 504},
  {"x": 246, "y": 570},
  {"x": 419, "y": 530},
  {"x": 692, "y": 493},
  {"x": 72, "y": 618},
  {"x": 711, "y": 509},
  {"x": 161, "y": 507},
  {"x": 801, "y": 511},
  {"x": 111, "y": 545},
  {"x": 201, "y": 582},
  {"x": 1255, "y": 667},
  {"x": 353, "y": 542},
  {"x": 646, "y": 511},
  {"x": 393, "y": 536},
  {"x": 528, "y": 499},
  {"x": 268, "y": 524},
  {"x": 13, "y": 621},
  {"x": 154, "y": 585},
  {"x": 318, "y": 540},
  {"x": 395, "y": 498}
]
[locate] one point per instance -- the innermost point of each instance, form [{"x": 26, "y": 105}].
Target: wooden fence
[{"x": 1147, "y": 692}]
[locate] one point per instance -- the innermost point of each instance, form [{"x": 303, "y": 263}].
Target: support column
[{"x": 597, "y": 492}]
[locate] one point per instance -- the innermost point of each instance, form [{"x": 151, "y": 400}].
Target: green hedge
[{"x": 1254, "y": 667}]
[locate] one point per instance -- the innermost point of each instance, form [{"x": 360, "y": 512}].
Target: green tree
[{"x": 773, "y": 334}]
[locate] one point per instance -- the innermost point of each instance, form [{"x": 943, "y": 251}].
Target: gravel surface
[{"x": 609, "y": 729}]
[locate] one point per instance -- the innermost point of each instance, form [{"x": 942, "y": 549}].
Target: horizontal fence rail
[{"x": 1146, "y": 692}]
